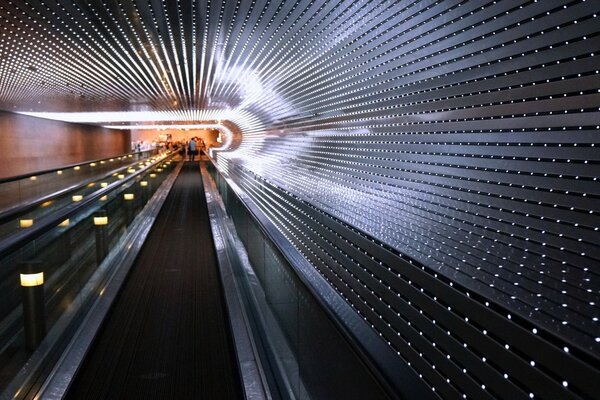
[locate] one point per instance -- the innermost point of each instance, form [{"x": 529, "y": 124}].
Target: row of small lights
[{"x": 28, "y": 222}]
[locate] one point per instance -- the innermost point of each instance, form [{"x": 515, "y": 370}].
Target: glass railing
[
  {"x": 24, "y": 189},
  {"x": 53, "y": 263},
  {"x": 26, "y": 215}
]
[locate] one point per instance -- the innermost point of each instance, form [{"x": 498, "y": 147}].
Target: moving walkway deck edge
[
  {"x": 66, "y": 252},
  {"x": 59, "y": 380},
  {"x": 167, "y": 334}
]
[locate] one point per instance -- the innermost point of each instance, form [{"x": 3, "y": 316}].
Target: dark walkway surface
[{"x": 167, "y": 336}]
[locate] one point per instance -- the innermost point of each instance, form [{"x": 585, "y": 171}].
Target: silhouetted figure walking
[{"x": 192, "y": 148}]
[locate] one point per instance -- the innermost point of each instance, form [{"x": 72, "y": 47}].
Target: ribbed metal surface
[
  {"x": 447, "y": 150},
  {"x": 462, "y": 138}
]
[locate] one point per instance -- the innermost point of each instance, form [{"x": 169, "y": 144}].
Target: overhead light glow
[{"x": 158, "y": 119}]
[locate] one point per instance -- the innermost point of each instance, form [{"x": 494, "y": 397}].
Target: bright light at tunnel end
[{"x": 131, "y": 120}]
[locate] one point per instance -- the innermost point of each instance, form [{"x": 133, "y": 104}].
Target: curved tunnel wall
[{"x": 437, "y": 162}]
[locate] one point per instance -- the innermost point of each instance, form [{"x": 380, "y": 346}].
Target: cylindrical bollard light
[
  {"x": 64, "y": 241},
  {"x": 145, "y": 189},
  {"x": 129, "y": 206},
  {"x": 25, "y": 223},
  {"x": 101, "y": 227},
  {"x": 32, "y": 288}
]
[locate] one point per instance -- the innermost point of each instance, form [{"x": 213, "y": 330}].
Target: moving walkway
[{"x": 179, "y": 293}]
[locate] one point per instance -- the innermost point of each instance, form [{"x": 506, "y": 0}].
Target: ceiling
[{"x": 149, "y": 61}]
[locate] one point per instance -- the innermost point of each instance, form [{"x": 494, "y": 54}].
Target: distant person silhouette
[{"x": 192, "y": 148}]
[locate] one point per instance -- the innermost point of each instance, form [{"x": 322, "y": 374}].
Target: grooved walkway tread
[{"x": 167, "y": 336}]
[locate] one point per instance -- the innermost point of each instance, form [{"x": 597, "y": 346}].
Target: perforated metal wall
[{"x": 440, "y": 169}]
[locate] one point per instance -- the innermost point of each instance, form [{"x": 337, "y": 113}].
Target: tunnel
[{"x": 402, "y": 197}]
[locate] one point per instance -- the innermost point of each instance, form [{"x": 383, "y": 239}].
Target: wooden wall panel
[{"x": 29, "y": 144}]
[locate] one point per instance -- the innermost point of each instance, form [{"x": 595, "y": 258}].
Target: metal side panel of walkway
[{"x": 167, "y": 335}]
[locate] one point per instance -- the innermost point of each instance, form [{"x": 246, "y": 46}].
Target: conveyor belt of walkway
[{"x": 167, "y": 335}]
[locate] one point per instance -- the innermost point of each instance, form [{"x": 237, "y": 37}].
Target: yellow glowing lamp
[
  {"x": 92, "y": 164},
  {"x": 128, "y": 196},
  {"x": 91, "y": 184},
  {"x": 103, "y": 184},
  {"x": 65, "y": 223},
  {"x": 25, "y": 223},
  {"x": 131, "y": 155},
  {"x": 100, "y": 221},
  {"x": 120, "y": 176},
  {"x": 152, "y": 175},
  {"x": 77, "y": 168},
  {"x": 77, "y": 197},
  {"x": 131, "y": 170},
  {"x": 33, "y": 178},
  {"x": 29, "y": 280},
  {"x": 102, "y": 162},
  {"x": 144, "y": 183},
  {"x": 104, "y": 198},
  {"x": 159, "y": 170},
  {"x": 111, "y": 160},
  {"x": 58, "y": 172}
]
